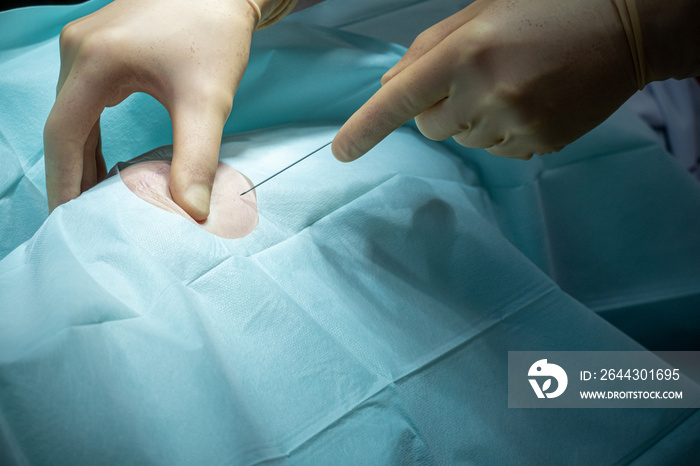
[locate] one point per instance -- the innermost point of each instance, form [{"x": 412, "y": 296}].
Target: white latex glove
[
  {"x": 190, "y": 55},
  {"x": 516, "y": 77}
]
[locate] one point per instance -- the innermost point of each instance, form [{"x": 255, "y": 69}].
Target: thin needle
[{"x": 290, "y": 166}]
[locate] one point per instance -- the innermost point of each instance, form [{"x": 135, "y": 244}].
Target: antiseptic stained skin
[{"x": 231, "y": 215}]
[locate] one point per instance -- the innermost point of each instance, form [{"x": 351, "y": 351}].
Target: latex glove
[
  {"x": 663, "y": 38},
  {"x": 190, "y": 55},
  {"x": 516, "y": 77}
]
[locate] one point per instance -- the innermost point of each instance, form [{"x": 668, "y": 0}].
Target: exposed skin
[
  {"x": 231, "y": 215},
  {"x": 515, "y": 77},
  {"x": 189, "y": 55}
]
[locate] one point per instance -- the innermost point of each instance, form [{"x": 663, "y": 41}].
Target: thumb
[{"x": 197, "y": 130}]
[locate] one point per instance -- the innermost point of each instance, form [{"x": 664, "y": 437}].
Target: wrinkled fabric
[
  {"x": 271, "y": 93},
  {"x": 367, "y": 319},
  {"x": 672, "y": 109}
]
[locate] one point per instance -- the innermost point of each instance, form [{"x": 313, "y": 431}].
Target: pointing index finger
[{"x": 416, "y": 88}]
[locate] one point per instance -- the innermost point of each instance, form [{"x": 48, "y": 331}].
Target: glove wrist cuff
[
  {"x": 629, "y": 17},
  {"x": 663, "y": 38},
  {"x": 273, "y": 12}
]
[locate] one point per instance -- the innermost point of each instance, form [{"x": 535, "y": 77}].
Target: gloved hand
[
  {"x": 189, "y": 55},
  {"x": 519, "y": 77}
]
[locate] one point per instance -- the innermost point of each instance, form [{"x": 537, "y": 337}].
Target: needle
[{"x": 289, "y": 166}]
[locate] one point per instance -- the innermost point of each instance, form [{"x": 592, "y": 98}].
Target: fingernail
[{"x": 198, "y": 196}]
